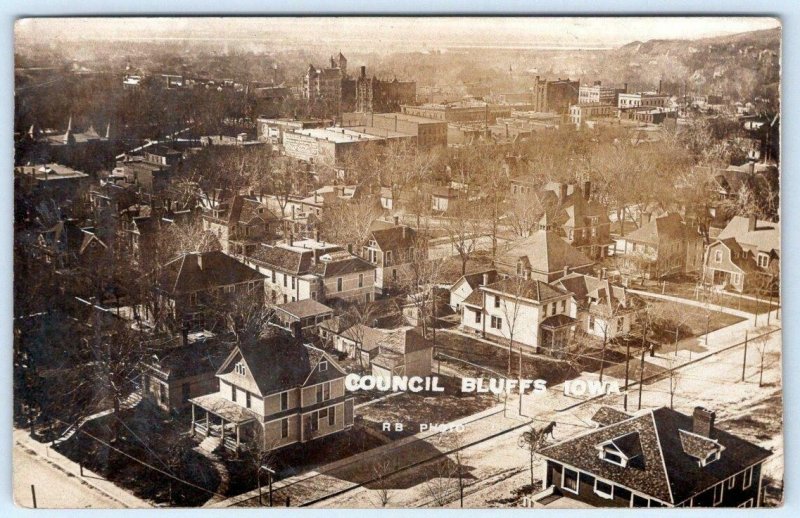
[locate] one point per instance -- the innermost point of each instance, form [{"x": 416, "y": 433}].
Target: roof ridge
[{"x": 661, "y": 453}]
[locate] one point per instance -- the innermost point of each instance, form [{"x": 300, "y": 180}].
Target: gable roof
[
  {"x": 305, "y": 308},
  {"x": 399, "y": 237},
  {"x": 476, "y": 278},
  {"x": 546, "y": 252},
  {"x": 528, "y": 289},
  {"x": 667, "y": 227},
  {"x": 341, "y": 263},
  {"x": 765, "y": 238},
  {"x": 607, "y": 297},
  {"x": 203, "y": 271},
  {"x": 665, "y": 471}
]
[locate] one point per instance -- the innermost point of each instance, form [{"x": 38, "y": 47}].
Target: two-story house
[
  {"x": 242, "y": 225},
  {"x": 543, "y": 256},
  {"x": 661, "y": 246},
  {"x": 390, "y": 249},
  {"x": 582, "y": 221},
  {"x": 602, "y": 309},
  {"x": 527, "y": 311},
  {"x": 190, "y": 284},
  {"x": 745, "y": 256},
  {"x": 659, "y": 458},
  {"x": 275, "y": 390},
  {"x": 311, "y": 269},
  {"x": 466, "y": 284}
]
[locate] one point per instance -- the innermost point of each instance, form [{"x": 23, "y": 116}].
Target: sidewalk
[{"x": 70, "y": 468}]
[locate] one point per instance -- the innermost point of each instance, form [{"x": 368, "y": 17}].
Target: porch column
[
  {"x": 237, "y": 436},
  {"x": 222, "y": 420},
  {"x": 208, "y": 425},
  {"x": 191, "y": 430},
  {"x": 552, "y": 342}
]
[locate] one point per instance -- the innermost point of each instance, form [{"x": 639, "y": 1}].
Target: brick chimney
[
  {"x": 562, "y": 192},
  {"x": 587, "y": 189},
  {"x": 297, "y": 331},
  {"x": 485, "y": 281},
  {"x": 703, "y": 421},
  {"x": 199, "y": 258},
  {"x": 751, "y": 223},
  {"x": 396, "y": 220}
]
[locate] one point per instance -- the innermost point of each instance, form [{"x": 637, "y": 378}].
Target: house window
[
  {"x": 563, "y": 304},
  {"x": 332, "y": 416},
  {"x": 747, "y": 480},
  {"x": 603, "y": 489},
  {"x": 323, "y": 366},
  {"x": 323, "y": 413},
  {"x": 763, "y": 260},
  {"x": 314, "y": 422},
  {"x": 339, "y": 284},
  {"x": 591, "y": 322},
  {"x": 293, "y": 279},
  {"x": 394, "y": 274},
  {"x": 497, "y": 301},
  {"x": 477, "y": 317},
  {"x": 326, "y": 391},
  {"x": 718, "y": 492},
  {"x": 284, "y": 281},
  {"x": 162, "y": 393},
  {"x": 734, "y": 278},
  {"x": 319, "y": 393},
  {"x": 569, "y": 480},
  {"x": 360, "y": 280},
  {"x": 247, "y": 399},
  {"x": 240, "y": 368},
  {"x": 185, "y": 391},
  {"x": 731, "y": 482},
  {"x": 718, "y": 256},
  {"x": 748, "y": 503},
  {"x": 613, "y": 458},
  {"x": 639, "y": 501},
  {"x": 284, "y": 400},
  {"x": 389, "y": 258},
  {"x": 496, "y": 323}
]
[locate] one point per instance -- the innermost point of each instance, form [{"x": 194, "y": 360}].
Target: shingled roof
[
  {"x": 529, "y": 289},
  {"x": 546, "y": 252},
  {"x": 398, "y": 237},
  {"x": 202, "y": 271},
  {"x": 668, "y": 470},
  {"x": 657, "y": 230}
]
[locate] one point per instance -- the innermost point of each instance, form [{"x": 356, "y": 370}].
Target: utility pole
[
  {"x": 33, "y": 494},
  {"x": 627, "y": 368},
  {"x": 641, "y": 363},
  {"x": 744, "y": 359}
]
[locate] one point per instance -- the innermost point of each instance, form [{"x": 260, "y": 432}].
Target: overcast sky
[{"x": 432, "y": 31}]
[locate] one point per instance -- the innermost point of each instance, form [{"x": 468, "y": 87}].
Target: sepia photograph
[{"x": 397, "y": 262}]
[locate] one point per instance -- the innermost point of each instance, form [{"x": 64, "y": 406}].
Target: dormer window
[
  {"x": 614, "y": 457},
  {"x": 323, "y": 366},
  {"x": 240, "y": 368}
]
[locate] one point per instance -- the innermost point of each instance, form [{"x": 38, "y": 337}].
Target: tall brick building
[
  {"x": 554, "y": 96},
  {"x": 373, "y": 94}
]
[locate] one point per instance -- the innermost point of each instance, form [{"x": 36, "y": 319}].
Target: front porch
[
  {"x": 554, "y": 334},
  {"x": 233, "y": 424}
]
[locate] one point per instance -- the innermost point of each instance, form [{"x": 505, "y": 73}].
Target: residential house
[
  {"x": 467, "y": 284},
  {"x": 277, "y": 391},
  {"x": 582, "y": 221},
  {"x": 661, "y": 246},
  {"x": 311, "y": 269},
  {"x": 543, "y": 256},
  {"x": 174, "y": 375},
  {"x": 531, "y": 312},
  {"x": 659, "y": 458},
  {"x": 243, "y": 226},
  {"x": 191, "y": 284},
  {"x": 309, "y": 313},
  {"x": 745, "y": 256},
  {"x": 602, "y": 309},
  {"x": 390, "y": 249}
]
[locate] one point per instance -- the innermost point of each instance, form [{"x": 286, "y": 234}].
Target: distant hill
[{"x": 741, "y": 66}]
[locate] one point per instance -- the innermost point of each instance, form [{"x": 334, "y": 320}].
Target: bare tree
[
  {"x": 350, "y": 222},
  {"x": 463, "y": 230},
  {"x": 534, "y": 439},
  {"x": 381, "y": 471}
]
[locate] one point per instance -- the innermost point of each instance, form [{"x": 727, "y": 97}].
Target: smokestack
[
  {"x": 587, "y": 189},
  {"x": 659, "y": 86},
  {"x": 363, "y": 71},
  {"x": 703, "y": 421},
  {"x": 751, "y": 223}
]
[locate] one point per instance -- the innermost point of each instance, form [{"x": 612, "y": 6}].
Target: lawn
[
  {"x": 690, "y": 321},
  {"x": 686, "y": 288},
  {"x": 147, "y": 435},
  {"x": 415, "y": 408}
]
